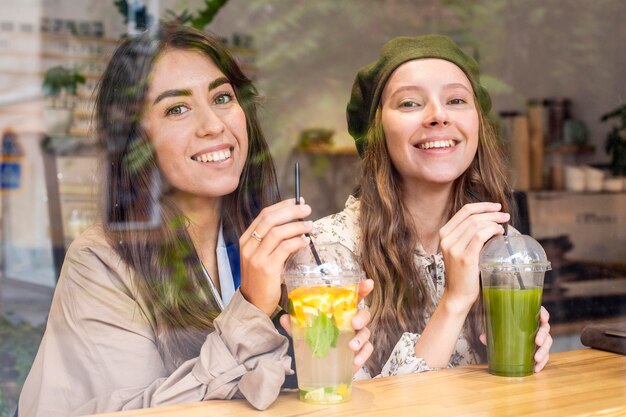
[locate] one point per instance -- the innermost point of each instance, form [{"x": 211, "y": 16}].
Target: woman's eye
[
  {"x": 177, "y": 109},
  {"x": 457, "y": 101},
  {"x": 409, "y": 104},
  {"x": 223, "y": 98}
]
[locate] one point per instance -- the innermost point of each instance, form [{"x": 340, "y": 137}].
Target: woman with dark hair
[
  {"x": 419, "y": 116},
  {"x": 171, "y": 299}
]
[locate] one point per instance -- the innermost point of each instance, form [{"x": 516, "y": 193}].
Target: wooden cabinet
[{"x": 584, "y": 236}]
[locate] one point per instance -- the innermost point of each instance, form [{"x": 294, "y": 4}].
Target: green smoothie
[{"x": 512, "y": 321}]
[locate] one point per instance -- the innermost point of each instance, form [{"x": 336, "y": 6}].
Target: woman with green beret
[{"x": 419, "y": 116}]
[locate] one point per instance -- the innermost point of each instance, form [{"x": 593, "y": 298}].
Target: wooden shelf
[
  {"x": 571, "y": 149},
  {"x": 60, "y": 37},
  {"x": 327, "y": 149},
  {"x": 89, "y": 75},
  {"x": 67, "y": 36},
  {"x": 83, "y": 57},
  {"x": 57, "y": 55}
]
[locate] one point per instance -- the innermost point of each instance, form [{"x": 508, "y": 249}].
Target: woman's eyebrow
[
  {"x": 172, "y": 93},
  {"x": 185, "y": 93},
  {"x": 217, "y": 82},
  {"x": 409, "y": 87},
  {"x": 457, "y": 85}
]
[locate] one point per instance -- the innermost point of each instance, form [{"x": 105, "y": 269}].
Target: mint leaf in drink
[{"x": 322, "y": 334}]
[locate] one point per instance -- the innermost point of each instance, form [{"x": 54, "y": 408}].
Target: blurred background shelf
[{"x": 571, "y": 149}]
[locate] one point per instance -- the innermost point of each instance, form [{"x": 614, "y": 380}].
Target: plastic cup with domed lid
[
  {"x": 512, "y": 270},
  {"x": 323, "y": 299}
]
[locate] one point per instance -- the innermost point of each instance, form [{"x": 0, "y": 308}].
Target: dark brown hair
[
  {"x": 167, "y": 270},
  {"x": 389, "y": 238}
]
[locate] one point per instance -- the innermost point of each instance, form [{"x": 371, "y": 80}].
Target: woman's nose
[
  {"x": 436, "y": 114},
  {"x": 209, "y": 123}
]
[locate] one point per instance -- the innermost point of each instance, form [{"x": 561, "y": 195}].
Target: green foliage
[
  {"x": 322, "y": 335},
  {"x": 615, "y": 144},
  {"x": 60, "y": 79},
  {"x": 139, "y": 155},
  {"x": 18, "y": 346},
  {"x": 122, "y": 7},
  {"x": 204, "y": 17},
  {"x": 198, "y": 20}
]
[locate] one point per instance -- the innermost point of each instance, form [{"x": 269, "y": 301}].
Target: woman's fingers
[
  {"x": 467, "y": 211},
  {"x": 279, "y": 234},
  {"x": 465, "y": 234},
  {"x": 361, "y": 319},
  {"x": 479, "y": 239},
  {"x": 365, "y": 287},
  {"x": 361, "y": 357},
  {"x": 543, "y": 354},
  {"x": 274, "y": 224},
  {"x": 360, "y": 343},
  {"x": 285, "y": 321},
  {"x": 544, "y": 327},
  {"x": 287, "y": 247},
  {"x": 462, "y": 235},
  {"x": 264, "y": 247},
  {"x": 260, "y": 273},
  {"x": 544, "y": 315},
  {"x": 360, "y": 339},
  {"x": 279, "y": 213},
  {"x": 543, "y": 340},
  {"x": 461, "y": 240}
]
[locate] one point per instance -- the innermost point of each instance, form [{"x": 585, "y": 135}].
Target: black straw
[
  {"x": 509, "y": 249},
  {"x": 318, "y": 261}
]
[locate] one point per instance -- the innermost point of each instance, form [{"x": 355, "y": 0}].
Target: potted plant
[
  {"x": 60, "y": 84},
  {"x": 616, "y": 140},
  {"x": 615, "y": 146}
]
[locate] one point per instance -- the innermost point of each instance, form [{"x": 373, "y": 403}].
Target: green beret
[{"x": 371, "y": 79}]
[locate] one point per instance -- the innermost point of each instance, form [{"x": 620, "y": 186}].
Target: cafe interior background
[{"x": 556, "y": 71}]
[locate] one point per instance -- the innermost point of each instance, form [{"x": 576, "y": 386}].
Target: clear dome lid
[
  {"x": 335, "y": 261},
  {"x": 519, "y": 253}
]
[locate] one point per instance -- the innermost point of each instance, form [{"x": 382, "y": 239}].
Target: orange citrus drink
[{"x": 321, "y": 321}]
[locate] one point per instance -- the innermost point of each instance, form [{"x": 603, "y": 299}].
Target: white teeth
[
  {"x": 218, "y": 156},
  {"x": 436, "y": 144}
]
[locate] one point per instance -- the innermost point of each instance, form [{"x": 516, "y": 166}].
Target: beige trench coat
[{"x": 99, "y": 351}]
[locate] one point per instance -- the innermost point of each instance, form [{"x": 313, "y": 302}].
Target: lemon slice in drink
[
  {"x": 316, "y": 395},
  {"x": 321, "y": 397},
  {"x": 310, "y": 311}
]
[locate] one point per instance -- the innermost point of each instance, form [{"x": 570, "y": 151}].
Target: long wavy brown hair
[
  {"x": 162, "y": 258},
  {"x": 389, "y": 238}
]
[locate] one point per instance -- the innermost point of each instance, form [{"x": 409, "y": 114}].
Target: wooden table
[{"x": 584, "y": 382}]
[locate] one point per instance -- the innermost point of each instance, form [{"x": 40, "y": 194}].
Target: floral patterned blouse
[{"x": 343, "y": 227}]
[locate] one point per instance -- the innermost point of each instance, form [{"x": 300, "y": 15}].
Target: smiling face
[
  {"x": 430, "y": 121},
  {"x": 195, "y": 124}
]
